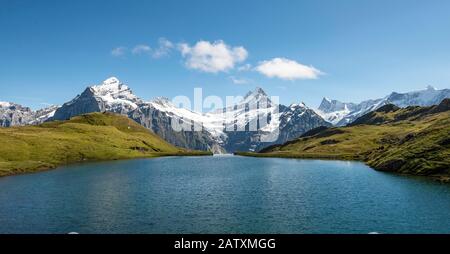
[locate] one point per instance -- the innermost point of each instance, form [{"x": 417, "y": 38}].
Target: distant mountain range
[
  {"x": 12, "y": 114},
  {"x": 342, "y": 113},
  {"x": 217, "y": 129}
]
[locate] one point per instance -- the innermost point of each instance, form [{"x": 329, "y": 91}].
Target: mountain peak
[
  {"x": 111, "y": 81},
  {"x": 431, "y": 88},
  {"x": 258, "y": 92},
  {"x": 255, "y": 97},
  {"x": 326, "y": 99},
  {"x": 112, "y": 86},
  {"x": 326, "y": 105},
  {"x": 297, "y": 105}
]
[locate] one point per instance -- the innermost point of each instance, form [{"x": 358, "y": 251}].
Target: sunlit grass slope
[{"x": 91, "y": 137}]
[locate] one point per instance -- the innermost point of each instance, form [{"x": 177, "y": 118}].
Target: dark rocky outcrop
[{"x": 82, "y": 104}]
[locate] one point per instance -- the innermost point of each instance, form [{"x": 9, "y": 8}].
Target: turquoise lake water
[{"x": 222, "y": 194}]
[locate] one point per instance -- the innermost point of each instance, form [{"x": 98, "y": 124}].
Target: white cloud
[
  {"x": 141, "y": 49},
  {"x": 212, "y": 57},
  {"x": 287, "y": 69},
  {"x": 165, "y": 46},
  {"x": 119, "y": 51},
  {"x": 239, "y": 81},
  {"x": 245, "y": 67}
]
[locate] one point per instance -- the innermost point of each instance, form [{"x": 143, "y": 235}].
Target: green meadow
[{"x": 91, "y": 137}]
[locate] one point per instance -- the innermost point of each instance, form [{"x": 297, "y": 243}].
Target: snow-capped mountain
[
  {"x": 427, "y": 97},
  {"x": 223, "y": 130},
  {"x": 265, "y": 123},
  {"x": 111, "y": 95},
  {"x": 116, "y": 96},
  {"x": 297, "y": 119},
  {"x": 229, "y": 129},
  {"x": 160, "y": 115},
  {"x": 250, "y": 124},
  {"x": 42, "y": 115},
  {"x": 334, "y": 111},
  {"x": 341, "y": 113},
  {"x": 12, "y": 114}
]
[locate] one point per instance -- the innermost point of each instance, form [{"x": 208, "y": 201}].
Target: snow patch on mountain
[
  {"x": 4, "y": 104},
  {"x": 115, "y": 94},
  {"x": 209, "y": 122},
  {"x": 12, "y": 114},
  {"x": 333, "y": 117},
  {"x": 43, "y": 115},
  {"x": 427, "y": 97},
  {"x": 334, "y": 111},
  {"x": 341, "y": 113}
]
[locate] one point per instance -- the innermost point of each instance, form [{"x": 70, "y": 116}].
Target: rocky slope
[
  {"x": 12, "y": 114},
  {"x": 159, "y": 115}
]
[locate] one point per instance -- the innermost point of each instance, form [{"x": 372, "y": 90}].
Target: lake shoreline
[
  {"x": 439, "y": 178},
  {"x": 14, "y": 171},
  {"x": 43, "y": 167}
]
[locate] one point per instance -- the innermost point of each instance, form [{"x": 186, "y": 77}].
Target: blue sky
[{"x": 348, "y": 50}]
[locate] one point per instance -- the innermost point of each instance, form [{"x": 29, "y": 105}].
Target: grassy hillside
[
  {"x": 96, "y": 136},
  {"x": 414, "y": 140}
]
